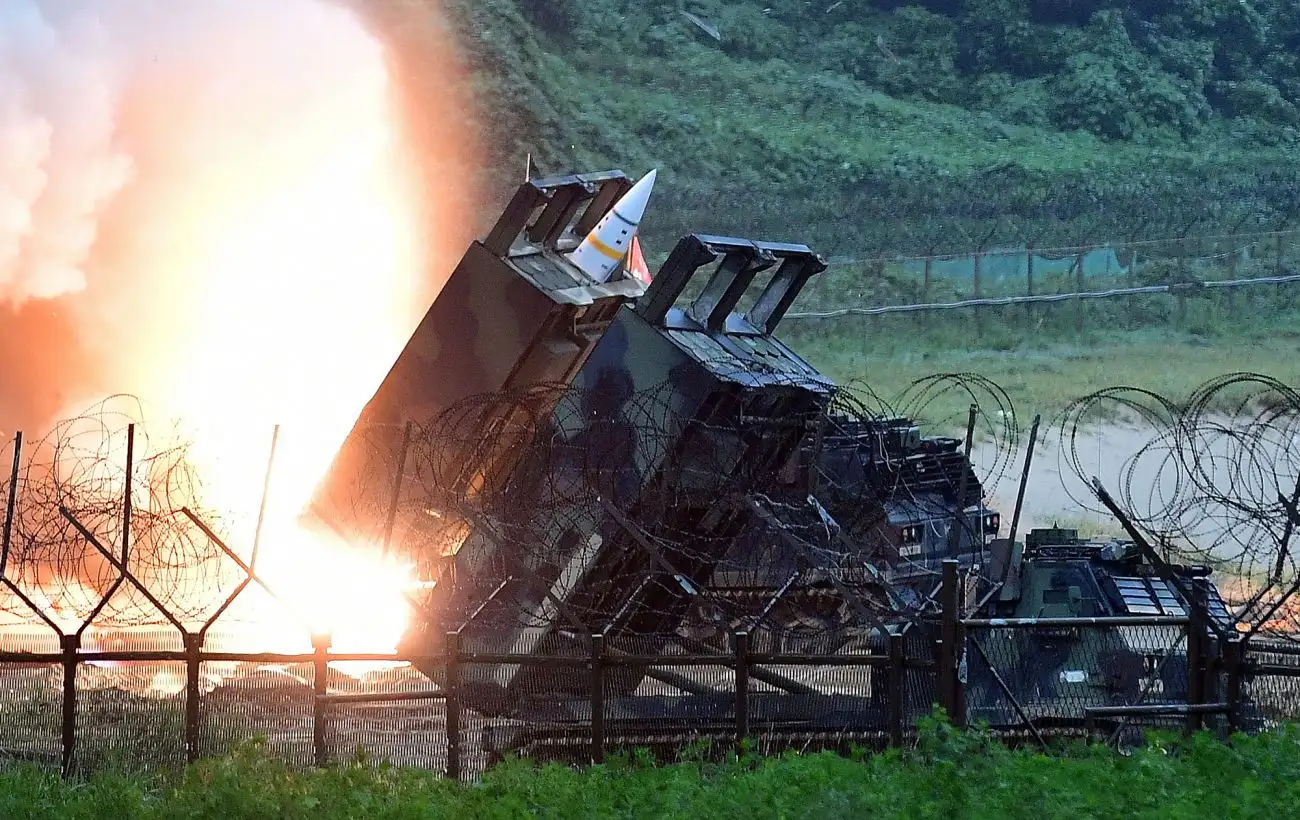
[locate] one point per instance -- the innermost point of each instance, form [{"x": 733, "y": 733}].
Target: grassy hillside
[{"x": 869, "y": 127}]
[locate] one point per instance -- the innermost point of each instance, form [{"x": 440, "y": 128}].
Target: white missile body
[{"x": 603, "y": 249}]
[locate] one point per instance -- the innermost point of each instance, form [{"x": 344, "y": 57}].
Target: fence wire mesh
[
  {"x": 1194, "y": 284},
  {"x": 570, "y": 649},
  {"x": 1054, "y": 675},
  {"x": 31, "y": 720}
]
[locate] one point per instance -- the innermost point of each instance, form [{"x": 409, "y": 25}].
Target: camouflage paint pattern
[
  {"x": 734, "y": 403},
  {"x": 1058, "y": 672}
]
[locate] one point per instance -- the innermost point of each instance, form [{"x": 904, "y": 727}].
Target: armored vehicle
[
  {"x": 903, "y": 503},
  {"x": 1056, "y": 669},
  {"x": 911, "y": 499}
]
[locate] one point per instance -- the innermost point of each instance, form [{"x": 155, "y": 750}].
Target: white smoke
[
  {"x": 183, "y": 176},
  {"x": 154, "y": 156},
  {"x": 60, "y": 86}
]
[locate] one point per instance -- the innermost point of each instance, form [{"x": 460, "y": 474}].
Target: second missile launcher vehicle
[
  {"x": 1057, "y": 669},
  {"x": 896, "y": 496}
]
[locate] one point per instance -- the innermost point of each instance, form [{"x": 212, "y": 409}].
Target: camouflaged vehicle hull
[
  {"x": 1054, "y": 674},
  {"x": 731, "y": 406}
]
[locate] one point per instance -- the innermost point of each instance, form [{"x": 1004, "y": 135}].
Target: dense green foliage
[
  {"x": 889, "y": 126},
  {"x": 950, "y": 774},
  {"x": 1116, "y": 68}
]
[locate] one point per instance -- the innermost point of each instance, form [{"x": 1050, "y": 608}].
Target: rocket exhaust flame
[{"x": 208, "y": 206}]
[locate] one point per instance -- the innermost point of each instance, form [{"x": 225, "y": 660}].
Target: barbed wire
[
  {"x": 75, "y": 477},
  {"x": 1209, "y": 478},
  {"x": 665, "y": 506},
  {"x": 511, "y": 479},
  {"x": 631, "y": 506}
]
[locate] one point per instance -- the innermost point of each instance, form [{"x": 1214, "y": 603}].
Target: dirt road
[{"x": 1148, "y": 479}]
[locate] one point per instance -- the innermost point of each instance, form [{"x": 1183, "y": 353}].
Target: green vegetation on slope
[
  {"x": 950, "y": 775},
  {"x": 869, "y": 127},
  {"x": 880, "y": 128}
]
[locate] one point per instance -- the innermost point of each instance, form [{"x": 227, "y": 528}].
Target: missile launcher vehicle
[
  {"x": 903, "y": 503},
  {"x": 628, "y": 555},
  {"x": 566, "y": 454},
  {"x": 579, "y": 456},
  {"x": 516, "y": 312}
]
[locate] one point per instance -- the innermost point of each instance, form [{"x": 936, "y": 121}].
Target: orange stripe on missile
[{"x": 605, "y": 250}]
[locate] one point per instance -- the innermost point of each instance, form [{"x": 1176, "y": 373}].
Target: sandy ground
[
  {"x": 1114, "y": 453},
  {"x": 1053, "y": 493}
]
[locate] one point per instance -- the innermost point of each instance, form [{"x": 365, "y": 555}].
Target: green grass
[
  {"x": 950, "y": 774},
  {"x": 1044, "y": 369},
  {"x": 770, "y": 143},
  {"x": 775, "y": 144}
]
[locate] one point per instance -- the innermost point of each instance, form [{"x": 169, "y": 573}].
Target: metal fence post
[
  {"x": 1232, "y": 657},
  {"x": 1078, "y": 288},
  {"x": 1277, "y": 267},
  {"x": 598, "y": 698},
  {"x": 1232, "y": 292},
  {"x": 69, "y": 645},
  {"x": 950, "y": 604},
  {"x": 927, "y": 280},
  {"x": 896, "y": 689},
  {"x": 959, "y": 677},
  {"x": 1196, "y": 640},
  {"x": 1184, "y": 275},
  {"x": 742, "y": 690},
  {"x": 193, "y": 643},
  {"x": 319, "y": 713},
  {"x": 452, "y": 688},
  {"x": 1029, "y": 285}
]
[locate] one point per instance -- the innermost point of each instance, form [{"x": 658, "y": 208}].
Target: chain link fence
[
  {"x": 147, "y": 708},
  {"x": 1201, "y": 284}
]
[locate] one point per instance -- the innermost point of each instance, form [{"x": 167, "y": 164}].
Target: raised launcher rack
[
  {"x": 514, "y": 312},
  {"x": 740, "y": 401}
]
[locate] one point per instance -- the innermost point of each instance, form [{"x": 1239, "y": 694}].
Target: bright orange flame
[
  {"x": 300, "y": 310},
  {"x": 274, "y": 281}
]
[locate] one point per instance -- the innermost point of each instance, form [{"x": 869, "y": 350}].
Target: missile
[{"x": 604, "y": 248}]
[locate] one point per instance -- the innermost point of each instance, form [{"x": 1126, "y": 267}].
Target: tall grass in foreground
[{"x": 950, "y": 774}]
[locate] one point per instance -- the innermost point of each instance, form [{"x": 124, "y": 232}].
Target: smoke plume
[
  {"x": 209, "y": 204},
  {"x": 60, "y": 86}
]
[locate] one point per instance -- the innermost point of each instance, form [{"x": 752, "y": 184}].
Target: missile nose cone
[
  {"x": 601, "y": 252},
  {"x": 633, "y": 204}
]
